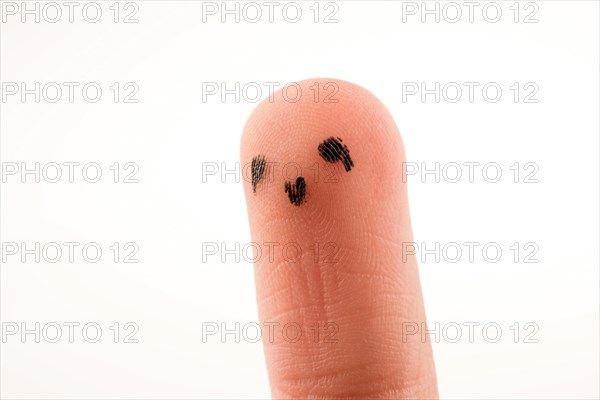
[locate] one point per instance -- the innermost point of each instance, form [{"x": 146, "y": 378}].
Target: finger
[{"x": 334, "y": 271}]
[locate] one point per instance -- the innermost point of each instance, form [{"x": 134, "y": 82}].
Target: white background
[{"x": 169, "y": 53}]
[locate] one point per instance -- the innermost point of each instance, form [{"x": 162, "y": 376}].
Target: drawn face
[{"x": 331, "y": 150}]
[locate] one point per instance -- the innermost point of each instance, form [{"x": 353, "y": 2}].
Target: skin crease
[{"x": 369, "y": 291}]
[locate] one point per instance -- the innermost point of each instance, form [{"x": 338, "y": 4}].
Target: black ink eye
[
  {"x": 296, "y": 191},
  {"x": 332, "y": 150},
  {"x": 258, "y": 170}
]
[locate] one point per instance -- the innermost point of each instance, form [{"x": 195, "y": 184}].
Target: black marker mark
[
  {"x": 258, "y": 169},
  {"x": 296, "y": 191},
  {"x": 332, "y": 150}
]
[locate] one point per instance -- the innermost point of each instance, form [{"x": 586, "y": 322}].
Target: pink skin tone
[{"x": 358, "y": 286}]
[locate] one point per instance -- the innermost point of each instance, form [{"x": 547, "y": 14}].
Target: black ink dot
[
  {"x": 332, "y": 150},
  {"x": 296, "y": 191},
  {"x": 258, "y": 170}
]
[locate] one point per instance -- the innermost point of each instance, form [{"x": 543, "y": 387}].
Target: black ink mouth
[{"x": 296, "y": 191}]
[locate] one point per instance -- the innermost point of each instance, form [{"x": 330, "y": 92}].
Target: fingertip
[{"x": 329, "y": 172}]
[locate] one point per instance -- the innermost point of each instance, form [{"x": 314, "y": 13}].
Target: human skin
[{"x": 359, "y": 289}]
